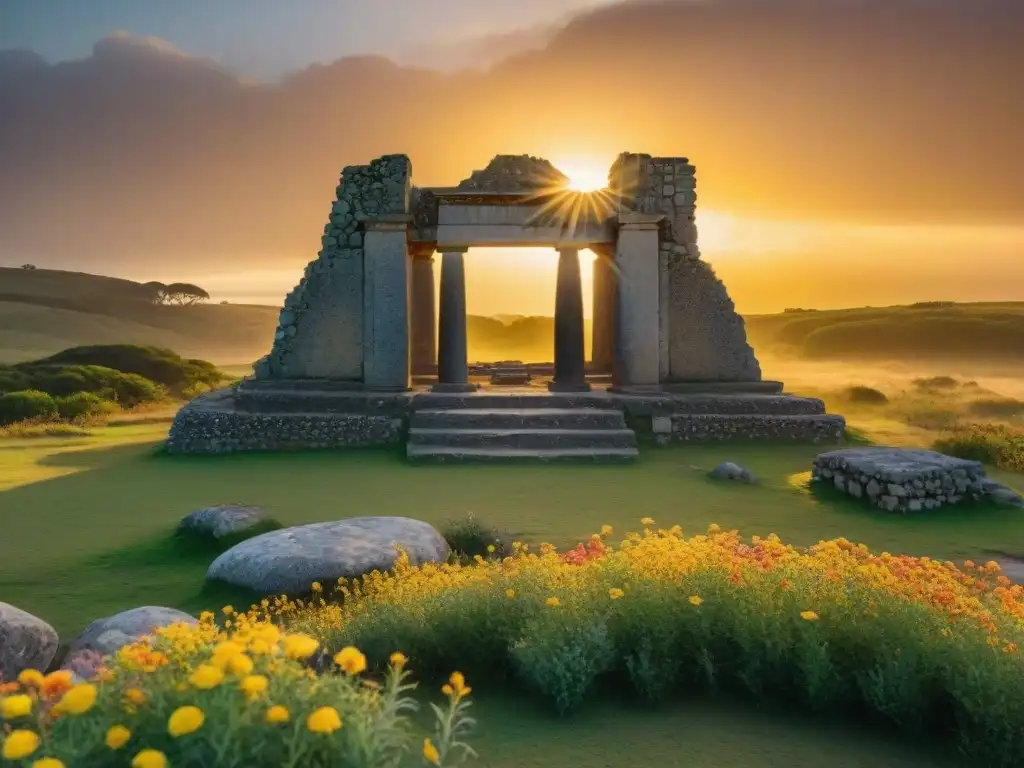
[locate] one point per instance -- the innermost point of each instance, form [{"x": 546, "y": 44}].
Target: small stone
[
  {"x": 731, "y": 471},
  {"x": 889, "y": 503},
  {"x": 222, "y": 520},
  {"x": 873, "y": 489}
]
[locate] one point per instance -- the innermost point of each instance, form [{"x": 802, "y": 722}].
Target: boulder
[
  {"x": 26, "y": 642},
  {"x": 222, "y": 520},
  {"x": 288, "y": 561},
  {"x": 105, "y": 636},
  {"x": 1002, "y": 494},
  {"x": 732, "y": 472}
]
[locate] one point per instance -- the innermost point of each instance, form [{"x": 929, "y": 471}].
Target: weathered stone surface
[
  {"x": 290, "y": 560},
  {"x": 212, "y": 424},
  {"x": 715, "y": 427},
  {"x": 320, "y": 331},
  {"x": 730, "y": 471},
  {"x": 26, "y": 642},
  {"x": 901, "y": 479},
  {"x": 1002, "y": 494},
  {"x": 113, "y": 632},
  {"x": 222, "y": 520},
  {"x": 515, "y": 173}
]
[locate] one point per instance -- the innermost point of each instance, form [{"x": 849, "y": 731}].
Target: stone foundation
[
  {"x": 214, "y": 424},
  {"x": 720, "y": 427},
  {"x": 901, "y": 479}
]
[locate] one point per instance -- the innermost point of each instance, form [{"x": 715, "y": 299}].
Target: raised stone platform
[
  {"x": 901, "y": 479},
  {"x": 301, "y": 414}
]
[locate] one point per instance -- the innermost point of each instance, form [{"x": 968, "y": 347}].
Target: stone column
[
  {"x": 424, "y": 323},
  {"x": 386, "y": 270},
  {"x": 637, "y": 325},
  {"x": 452, "y": 365},
  {"x": 602, "y": 326},
  {"x": 570, "y": 359}
]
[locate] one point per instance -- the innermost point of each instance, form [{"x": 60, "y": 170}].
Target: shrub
[
  {"x": 936, "y": 382},
  {"x": 191, "y": 697},
  {"x": 866, "y": 396},
  {"x": 34, "y": 428},
  {"x": 469, "y": 538},
  {"x": 127, "y": 389},
  {"x": 999, "y": 445},
  {"x": 13, "y": 380},
  {"x": 996, "y": 409},
  {"x": 919, "y": 642},
  {"x": 24, "y": 405},
  {"x": 931, "y": 418},
  {"x": 83, "y": 406},
  {"x": 159, "y": 365}
]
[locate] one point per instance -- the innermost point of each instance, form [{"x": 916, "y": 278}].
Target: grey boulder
[
  {"x": 1002, "y": 494},
  {"x": 222, "y": 520},
  {"x": 107, "y": 635},
  {"x": 730, "y": 471},
  {"x": 288, "y": 561},
  {"x": 26, "y": 642}
]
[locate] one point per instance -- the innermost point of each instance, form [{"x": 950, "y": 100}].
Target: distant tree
[
  {"x": 156, "y": 291},
  {"x": 225, "y": 302},
  {"x": 28, "y": 266},
  {"x": 184, "y": 294}
]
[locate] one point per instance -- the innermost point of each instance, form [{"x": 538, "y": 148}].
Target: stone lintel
[
  {"x": 634, "y": 220},
  {"x": 452, "y": 248},
  {"x": 395, "y": 222}
]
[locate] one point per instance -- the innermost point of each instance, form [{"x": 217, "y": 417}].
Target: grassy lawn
[{"x": 86, "y": 525}]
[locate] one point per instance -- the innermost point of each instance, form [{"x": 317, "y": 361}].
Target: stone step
[
  {"x": 439, "y": 453},
  {"x": 524, "y": 438},
  {"x": 521, "y": 418},
  {"x": 513, "y": 400}
]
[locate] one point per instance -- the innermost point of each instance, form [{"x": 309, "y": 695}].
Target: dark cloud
[{"x": 884, "y": 111}]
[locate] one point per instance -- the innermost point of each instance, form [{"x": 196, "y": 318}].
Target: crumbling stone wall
[
  {"x": 320, "y": 331},
  {"x": 703, "y": 337}
]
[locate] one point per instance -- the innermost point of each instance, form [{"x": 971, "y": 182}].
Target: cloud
[{"x": 141, "y": 155}]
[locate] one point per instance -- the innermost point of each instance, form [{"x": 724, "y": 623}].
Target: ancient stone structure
[{"x": 363, "y": 321}]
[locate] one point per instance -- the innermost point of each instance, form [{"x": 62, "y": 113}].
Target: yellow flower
[
  {"x": 399, "y": 659},
  {"x": 31, "y": 677},
  {"x": 491, "y": 549},
  {"x": 15, "y": 706},
  {"x": 351, "y": 660},
  {"x": 317, "y": 586},
  {"x": 206, "y": 676},
  {"x": 79, "y": 699},
  {"x": 646, "y": 521},
  {"x": 457, "y": 685},
  {"x": 254, "y": 684},
  {"x": 809, "y": 616},
  {"x": 552, "y": 602},
  {"x": 714, "y": 528},
  {"x": 227, "y": 610},
  {"x": 19, "y": 744},
  {"x": 149, "y": 758},
  {"x": 185, "y": 720},
  {"x": 696, "y": 600},
  {"x": 277, "y": 714},
  {"x": 299, "y": 646},
  {"x": 135, "y": 696},
  {"x": 430, "y": 753},
  {"x": 323, "y": 720},
  {"x": 240, "y": 664},
  {"x": 606, "y": 530},
  {"x": 117, "y": 736},
  {"x": 48, "y": 762},
  {"x": 615, "y": 593},
  {"x": 510, "y": 594},
  {"x": 56, "y": 682}
]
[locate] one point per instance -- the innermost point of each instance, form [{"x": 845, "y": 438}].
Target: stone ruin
[{"x": 362, "y": 322}]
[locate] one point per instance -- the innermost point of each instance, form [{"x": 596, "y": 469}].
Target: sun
[{"x": 584, "y": 176}]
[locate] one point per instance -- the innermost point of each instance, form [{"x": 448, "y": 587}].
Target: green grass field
[{"x": 86, "y": 526}]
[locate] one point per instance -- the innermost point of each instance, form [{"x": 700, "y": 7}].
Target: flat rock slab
[
  {"x": 898, "y": 464},
  {"x": 222, "y": 520},
  {"x": 288, "y": 561},
  {"x": 107, "y": 635},
  {"x": 26, "y": 642}
]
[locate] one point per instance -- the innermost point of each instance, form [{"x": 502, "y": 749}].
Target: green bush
[
  {"x": 24, "y": 405},
  {"x": 937, "y": 382},
  {"x": 866, "y": 396},
  {"x": 82, "y": 406},
  {"x": 13, "y": 380},
  {"x": 469, "y": 538},
  {"x": 162, "y": 366},
  {"x": 996, "y": 409},
  {"x": 998, "y": 445},
  {"x": 127, "y": 389}
]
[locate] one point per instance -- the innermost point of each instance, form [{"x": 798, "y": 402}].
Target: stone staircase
[{"x": 483, "y": 427}]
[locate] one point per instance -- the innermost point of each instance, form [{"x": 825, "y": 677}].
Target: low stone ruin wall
[
  {"x": 728, "y": 427},
  {"x": 901, "y": 480},
  {"x": 212, "y": 424}
]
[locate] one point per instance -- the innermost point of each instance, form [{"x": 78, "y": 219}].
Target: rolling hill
[{"x": 45, "y": 311}]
